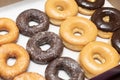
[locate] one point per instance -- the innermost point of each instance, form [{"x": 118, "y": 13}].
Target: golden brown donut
[
  {"x": 77, "y": 25},
  {"x": 9, "y": 26},
  {"x": 59, "y": 10},
  {"x": 13, "y": 50},
  {"x": 98, "y": 57},
  {"x": 29, "y": 76}
]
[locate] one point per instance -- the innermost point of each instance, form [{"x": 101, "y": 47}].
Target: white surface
[{"x": 12, "y": 11}]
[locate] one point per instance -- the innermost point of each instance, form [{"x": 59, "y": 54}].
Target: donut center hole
[
  {"x": 3, "y": 32},
  {"x": 78, "y": 32},
  {"x": 98, "y": 59},
  {"x": 11, "y": 61},
  {"x": 106, "y": 19},
  {"x": 91, "y": 0},
  {"x": 62, "y": 73},
  {"x": 45, "y": 47},
  {"x": 33, "y": 23},
  {"x": 60, "y": 8}
]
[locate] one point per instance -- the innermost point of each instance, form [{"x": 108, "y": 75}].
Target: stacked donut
[{"x": 75, "y": 33}]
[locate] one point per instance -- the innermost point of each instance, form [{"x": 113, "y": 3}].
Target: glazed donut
[
  {"x": 28, "y": 16},
  {"x": 98, "y": 57},
  {"x": 107, "y": 21},
  {"x": 44, "y": 56},
  {"x": 29, "y": 76},
  {"x": 87, "y": 7},
  {"x": 59, "y": 10},
  {"x": 12, "y": 50},
  {"x": 115, "y": 40},
  {"x": 9, "y": 26},
  {"x": 64, "y": 63},
  {"x": 73, "y": 25}
]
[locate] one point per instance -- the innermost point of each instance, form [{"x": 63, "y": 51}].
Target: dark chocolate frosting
[
  {"x": 114, "y": 19},
  {"x": 90, "y": 5},
  {"x": 115, "y": 40}
]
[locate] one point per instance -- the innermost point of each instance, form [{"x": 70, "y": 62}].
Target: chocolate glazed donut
[
  {"x": 114, "y": 19},
  {"x": 40, "y": 56},
  {"x": 64, "y": 63},
  {"x": 115, "y": 40},
  {"x": 89, "y": 4},
  {"x": 34, "y": 15}
]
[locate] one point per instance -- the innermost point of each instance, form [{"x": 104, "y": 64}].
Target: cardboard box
[{"x": 7, "y": 2}]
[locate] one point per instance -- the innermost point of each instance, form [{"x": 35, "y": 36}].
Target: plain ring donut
[
  {"x": 9, "y": 26},
  {"x": 44, "y": 56},
  {"x": 64, "y": 63},
  {"x": 72, "y": 26},
  {"x": 107, "y": 20},
  {"x": 29, "y": 76},
  {"x": 12, "y": 50},
  {"x": 28, "y": 16},
  {"x": 59, "y": 10},
  {"x": 98, "y": 57},
  {"x": 87, "y": 7}
]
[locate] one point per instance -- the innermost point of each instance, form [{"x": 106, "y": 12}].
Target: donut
[
  {"x": 29, "y": 76},
  {"x": 12, "y": 50},
  {"x": 87, "y": 7},
  {"x": 70, "y": 66},
  {"x": 77, "y": 25},
  {"x": 59, "y": 10},
  {"x": 115, "y": 40},
  {"x": 98, "y": 57},
  {"x": 107, "y": 21},
  {"x": 10, "y": 27},
  {"x": 24, "y": 18},
  {"x": 44, "y": 56}
]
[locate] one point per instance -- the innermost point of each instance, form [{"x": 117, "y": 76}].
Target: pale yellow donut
[
  {"x": 29, "y": 76},
  {"x": 98, "y": 57},
  {"x": 9, "y": 26},
  {"x": 85, "y": 11},
  {"x": 13, "y": 50},
  {"x": 80, "y": 25},
  {"x": 59, "y": 10},
  {"x": 105, "y": 35}
]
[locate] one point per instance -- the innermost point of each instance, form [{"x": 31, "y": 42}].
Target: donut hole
[
  {"x": 106, "y": 19},
  {"x": 11, "y": 61},
  {"x": 33, "y": 23},
  {"x": 98, "y": 59},
  {"x": 3, "y": 32},
  {"x": 60, "y": 8},
  {"x": 62, "y": 73},
  {"x": 78, "y": 32},
  {"x": 45, "y": 47}
]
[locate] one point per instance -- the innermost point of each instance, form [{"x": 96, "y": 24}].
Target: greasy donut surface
[
  {"x": 34, "y": 15},
  {"x": 98, "y": 57},
  {"x": 40, "y": 56},
  {"x": 80, "y": 25},
  {"x": 59, "y": 10},
  {"x": 90, "y": 4},
  {"x": 64, "y": 63},
  {"x": 12, "y": 50},
  {"x": 9, "y": 26},
  {"x": 114, "y": 19},
  {"x": 115, "y": 40},
  {"x": 29, "y": 76}
]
